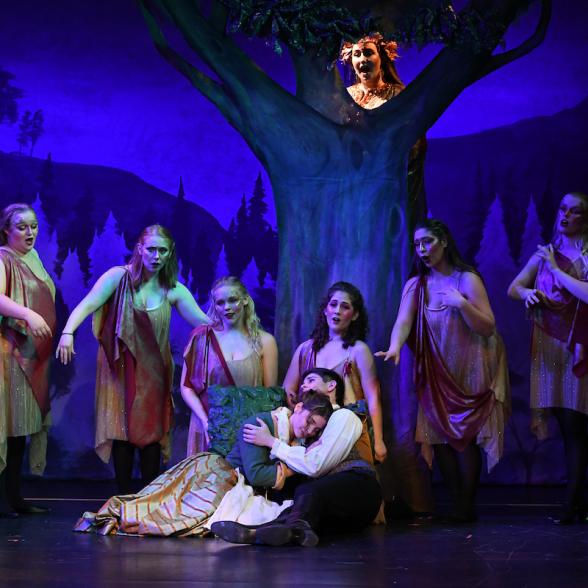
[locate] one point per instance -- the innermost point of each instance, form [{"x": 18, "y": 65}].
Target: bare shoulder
[
  {"x": 410, "y": 285},
  {"x": 114, "y": 274},
  {"x": 178, "y": 292},
  {"x": 361, "y": 350},
  {"x": 471, "y": 279},
  {"x": 267, "y": 340}
]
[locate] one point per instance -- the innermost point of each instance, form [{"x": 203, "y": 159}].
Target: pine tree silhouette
[
  {"x": 531, "y": 234},
  {"x": 547, "y": 205},
  {"x": 181, "y": 231},
  {"x": 79, "y": 234},
  {"x": 250, "y": 277},
  {"x": 497, "y": 267},
  {"x": 202, "y": 267},
  {"x": 71, "y": 280},
  {"x": 238, "y": 246},
  {"x": 222, "y": 267},
  {"x": 46, "y": 244},
  {"x": 476, "y": 209},
  {"x": 107, "y": 249},
  {"x": 46, "y": 191}
]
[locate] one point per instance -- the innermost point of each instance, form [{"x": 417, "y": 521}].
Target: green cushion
[{"x": 229, "y": 406}]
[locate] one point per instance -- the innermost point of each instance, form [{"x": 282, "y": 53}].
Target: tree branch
[
  {"x": 319, "y": 85},
  {"x": 264, "y": 112},
  {"x": 208, "y": 87},
  {"x": 502, "y": 59},
  {"x": 452, "y": 71}
]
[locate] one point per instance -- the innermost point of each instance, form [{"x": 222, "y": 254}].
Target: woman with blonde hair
[
  {"x": 233, "y": 351},
  {"x": 27, "y": 322},
  {"x": 553, "y": 285},
  {"x": 135, "y": 367}
]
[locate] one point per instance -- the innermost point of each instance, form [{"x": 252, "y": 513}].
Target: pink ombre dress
[
  {"x": 559, "y": 362},
  {"x": 461, "y": 380}
]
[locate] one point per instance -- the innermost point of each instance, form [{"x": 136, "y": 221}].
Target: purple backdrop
[{"x": 121, "y": 128}]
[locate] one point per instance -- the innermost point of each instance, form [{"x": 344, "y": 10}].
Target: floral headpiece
[{"x": 389, "y": 47}]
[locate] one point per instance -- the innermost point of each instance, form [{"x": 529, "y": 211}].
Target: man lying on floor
[{"x": 341, "y": 492}]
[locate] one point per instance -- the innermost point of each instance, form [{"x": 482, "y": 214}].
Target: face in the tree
[{"x": 366, "y": 62}]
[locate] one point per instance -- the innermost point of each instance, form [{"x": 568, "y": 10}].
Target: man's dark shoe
[
  {"x": 303, "y": 534},
  {"x": 234, "y": 532},
  {"x": 275, "y": 534},
  {"x": 24, "y": 507}
]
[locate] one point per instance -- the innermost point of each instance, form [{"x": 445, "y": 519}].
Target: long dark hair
[
  {"x": 168, "y": 275},
  {"x": 358, "y": 329},
  {"x": 327, "y": 375},
  {"x": 440, "y": 230}
]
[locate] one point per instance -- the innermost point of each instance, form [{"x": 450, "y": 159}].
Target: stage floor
[{"x": 513, "y": 544}]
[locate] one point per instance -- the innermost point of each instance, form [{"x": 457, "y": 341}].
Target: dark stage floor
[{"x": 513, "y": 544}]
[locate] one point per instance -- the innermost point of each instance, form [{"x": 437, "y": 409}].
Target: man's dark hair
[{"x": 327, "y": 375}]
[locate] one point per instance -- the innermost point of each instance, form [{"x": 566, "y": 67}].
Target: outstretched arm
[
  {"x": 96, "y": 297},
  {"x": 403, "y": 324},
  {"x": 181, "y": 298}
]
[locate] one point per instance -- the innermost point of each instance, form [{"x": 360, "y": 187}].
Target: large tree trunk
[
  {"x": 319, "y": 245},
  {"x": 347, "y": 221}
]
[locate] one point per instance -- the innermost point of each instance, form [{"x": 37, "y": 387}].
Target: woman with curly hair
[
  {"x": 232, "y": 351},
  {"x": 337, "y": 343},
  {"x": 135, "y": 367}
]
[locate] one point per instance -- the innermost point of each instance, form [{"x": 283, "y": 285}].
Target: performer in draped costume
[
  {"x": 134, "y": 367},
  {"x": 553, "y": 285},
  {"x": 27, "y": 322},
  {"x": 233, "y": 351},
  {"x": 461, "y": 374},
  {"x": 337, "y": 343}
]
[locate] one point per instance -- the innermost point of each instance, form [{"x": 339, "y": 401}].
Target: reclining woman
[{"x": 180, "y": 501}]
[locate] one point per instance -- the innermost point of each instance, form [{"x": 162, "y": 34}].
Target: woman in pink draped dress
[
  {"x": 461, "y": 375},
  {"x": 553, "y": 285}
]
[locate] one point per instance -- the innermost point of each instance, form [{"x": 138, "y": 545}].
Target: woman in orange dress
[
  {"x": 134, "y": 369},
  {"x": 27, "y": 322}
]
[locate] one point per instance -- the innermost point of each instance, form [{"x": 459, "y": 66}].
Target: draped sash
[
  {"x": 126, "y": 335},
  {"x": 453, "y": 412},
  {"x": 33, "y": 354},
  {"x": 562, "y": 315}
]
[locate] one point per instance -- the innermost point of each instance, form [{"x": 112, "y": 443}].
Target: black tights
[
  {"x": 574, "y": 430},
  {"x": 10, "y": 493},
  {"x": 461, "y": 474},
  {"x": 123, "y": 456}
]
